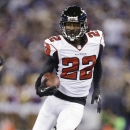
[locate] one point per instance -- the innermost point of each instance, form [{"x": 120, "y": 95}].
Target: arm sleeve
[
  {"x": 49, "y": 64},
  {"x": 98, "y": 70}
]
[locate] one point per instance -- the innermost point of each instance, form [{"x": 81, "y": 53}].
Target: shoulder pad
[{"x": 53, "y": 39}]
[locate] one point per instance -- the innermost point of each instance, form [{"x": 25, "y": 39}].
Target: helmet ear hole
[{"x": 73, "y": 14}]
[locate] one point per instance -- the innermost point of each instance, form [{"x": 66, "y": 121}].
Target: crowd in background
[{"x": 25, "y": 24}]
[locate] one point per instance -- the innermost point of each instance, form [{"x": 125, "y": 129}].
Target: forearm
[
  {"x": 48, "y": 66},
  {"x": 97, "y": 75}
]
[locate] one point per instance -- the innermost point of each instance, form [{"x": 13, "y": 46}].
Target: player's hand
[
  {"x": 96, "y": 97},
  {"x": 42, "y": 90}
]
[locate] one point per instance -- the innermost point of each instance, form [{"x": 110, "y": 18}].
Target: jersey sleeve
[{"x": 49, "y": 48}]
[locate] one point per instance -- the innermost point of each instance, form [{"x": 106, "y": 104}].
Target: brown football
[{"x": 53, "y": 79}]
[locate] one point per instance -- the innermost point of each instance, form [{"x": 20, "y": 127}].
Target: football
[{"x": 53, "y": 79}]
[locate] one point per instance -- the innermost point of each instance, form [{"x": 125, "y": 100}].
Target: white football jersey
[{"x": 76, "y": 65}]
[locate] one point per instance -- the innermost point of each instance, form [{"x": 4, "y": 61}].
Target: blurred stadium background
[{"x": 24, "y": 24}]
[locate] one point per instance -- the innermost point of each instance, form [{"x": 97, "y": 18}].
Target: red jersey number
[
  {"x": 55, "y": 38},
  {"x": 93, "y": 34},
  {"x": 73, "y": 63}
]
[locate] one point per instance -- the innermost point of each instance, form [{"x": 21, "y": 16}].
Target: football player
[{"x": 76, "y": 56}]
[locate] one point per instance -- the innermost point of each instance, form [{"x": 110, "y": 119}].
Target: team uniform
[{"x": 75, "y": 67}]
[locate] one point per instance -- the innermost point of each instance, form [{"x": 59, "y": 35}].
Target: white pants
[{"x": 66, "y": 114}]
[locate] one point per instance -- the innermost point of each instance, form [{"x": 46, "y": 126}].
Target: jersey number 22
[{"x": 72, "y": 71}]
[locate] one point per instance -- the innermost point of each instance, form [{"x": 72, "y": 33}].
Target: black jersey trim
[{"x": 80, "y": 100}]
